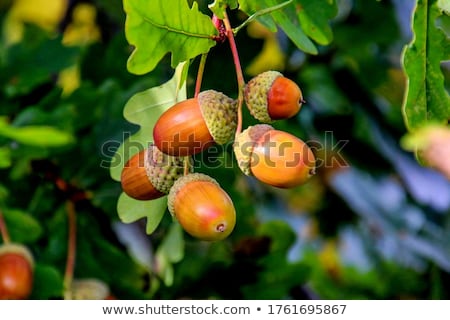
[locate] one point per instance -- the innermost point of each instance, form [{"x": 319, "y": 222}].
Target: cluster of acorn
[{"x": 200, "y": 205}]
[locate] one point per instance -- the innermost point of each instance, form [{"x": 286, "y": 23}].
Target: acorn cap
[
  {"x": 181, "y": 183},
  {"x": 255, "y": 94},
  {"x": 244, "y": 143},
  {"x": 17, "y": 248},
  {"x": 220, "y": 115},
  {"x": 87, "y": 289},
  {"x": 163, "y": 170}
]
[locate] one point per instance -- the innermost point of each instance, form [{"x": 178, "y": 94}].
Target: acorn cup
[
  {"x": 192, "y": 125},
  {"x": 274, "y": 157},
  {"x": 150, "y": 174},
  {"x": 88, "y": 289},
  {"x": 202, "y": 207},
  {"x": 16, "y": 272},
  {"x": 270, "y": 96}
]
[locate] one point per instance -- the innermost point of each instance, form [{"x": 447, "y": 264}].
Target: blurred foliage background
[{"x": 372, "y": 224}]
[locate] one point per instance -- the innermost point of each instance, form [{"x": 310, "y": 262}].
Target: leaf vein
[{"x": 175, "y": 30}]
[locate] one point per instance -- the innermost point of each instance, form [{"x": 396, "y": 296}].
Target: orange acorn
[
  {"x": 274, "y": 157},
  {"x": 16, "y": 272},
  {"x": 192, "y": 125},
  {"x": 202, "y": 207},
  {"x": 150, "y": 174},
  {"x": 270, "y": 96}
]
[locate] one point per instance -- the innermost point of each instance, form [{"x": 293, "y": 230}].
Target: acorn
[
  {"x": 192, "y": 125},
  {"x": 16, "y": 272},
  {"x": 270, "y": 96},
  {"x": 150, "y": 174},
  {"x": 202, "y": 207},
  {"x": 274, "y": 157},
  {"x": 88, "y": 289}
]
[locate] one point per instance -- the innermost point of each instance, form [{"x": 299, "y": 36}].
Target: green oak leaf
[
  {"x": 173, "y": 244},
  {"x": 426, "y": 99},
  {"x": 314, "y": 18},
  {"x": 219, "y": 6},
  {"x": 158, "y": 27},
  {"x": 169, "y": 252},
  {"x": 252, "y": 7},
  {"x": 288, "y": 21},
  {"x": 131, "y": 210},
  {"x": 303, "y": 21},
  {"x": 144, "y": 109}
]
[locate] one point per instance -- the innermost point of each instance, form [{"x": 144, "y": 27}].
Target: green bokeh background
[{"x": 373, "y": 226}]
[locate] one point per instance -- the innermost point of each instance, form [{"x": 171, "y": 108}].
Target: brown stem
[
  {"x": 3, "y": 229},
  {"x": 201, "y": 69},
  {"x": 71, "y": 247},
  {"x": 239, "y": 74}
]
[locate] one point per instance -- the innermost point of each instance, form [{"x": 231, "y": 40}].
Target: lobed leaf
[
  {"x": 303, "y": 21},
  {"x": 131, "y": 210},
  {"x": 426, "y": 99},
  {"x": 158, "y": 27},
  {"x": 144, "y": 109}
]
